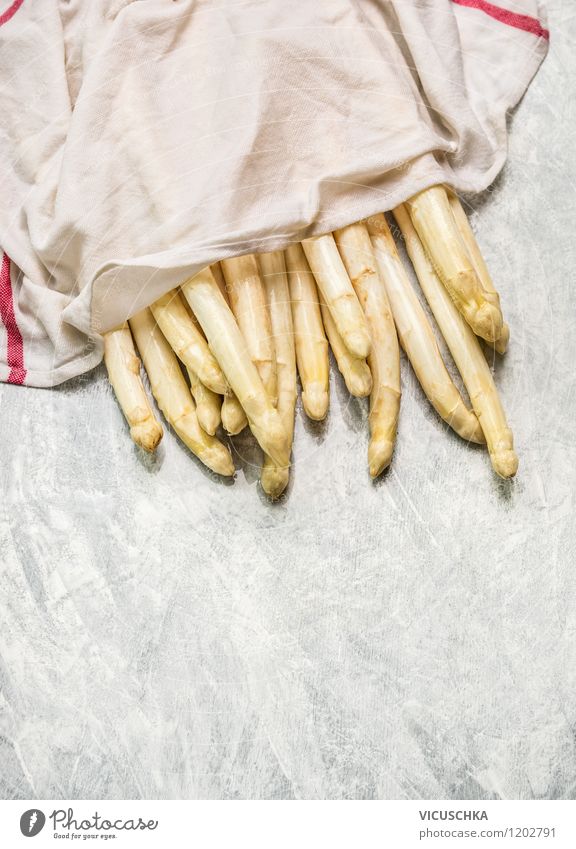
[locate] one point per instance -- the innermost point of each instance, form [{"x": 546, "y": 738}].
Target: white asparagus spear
[
  {"x": 480, "y": 266},
  {"x": 384, "y": 359},
  {"x": 354, "y": 370},
  {"x": 123, "y": 368},
  {"x": 338, "y": 293},
  {"x": 274, "y": 478},
  {"x": 467, "y": 354},
  {"x": 248, "y": 303},
  {"x": 187, "y": 342},
  {"x": 173, "y": 395},
  {"x": 229, "y": 347},
  {"x": 309, "y": 334},
  {"x": 230, "y": 411},
  {"x": 434, "y": 222},
  {"x": 233, "y": 416},
  {"x": 208, "y": 403},
  {"x": 417, "y": 338}
]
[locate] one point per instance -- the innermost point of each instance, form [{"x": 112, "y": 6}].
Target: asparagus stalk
[
  {"x": 434, "y": 222},
  {"x": 355, "y": 371},
  {"x": 187, "y": 342},
  {"x": 123, "y": 368},
  {"x": 338, "y": 293},
  {"x": 173, "y": 396},
  {"x": 274, "y": 478},
  {"x": 248, "y": 303},
  {"x": 216, "y": 270},
  {"x": 233, "y": 416},
  {"x": 467, "y": 354},
  {"x": 208, "y": 403},
  {"x": 229, "y": 347},
  {"x": 309, "y": 335},
  {"x": 384, "y": 358},
  {"x": 417, "y": 338},
  {"x": 478, "y": 262}
]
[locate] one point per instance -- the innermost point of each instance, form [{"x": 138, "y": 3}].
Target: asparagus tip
[
  {"x": 214, "y": 381},
  {"x": 274, "y": 480},
  {"x": 272, "y": 438},
  {"x": 505, "y": 463},
  {"x": 379, "y": 456},
  {"x": 147, "y": 434},
  {"x": 233, "y": 416},
  {"x": 487, "y": 322},
  {"x": 315, "y": 400},
  {"x": 234, "y": 427},
  {"x": 359, "y": 382},
  {"x": 358, "y": 342},
  {"x": 501, "y": 344},
  {"x": 219, "y": 460},
  {"x": 207, "y": 420},
  {"x": 472, "y": 431}
]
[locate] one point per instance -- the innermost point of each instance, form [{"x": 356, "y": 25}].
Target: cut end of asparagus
[
  {"x": 147, "y": 434},
  {"x": 274, "y": 480},
  {"x": 379, "y": 455},
  {"x": 315, "y": 400},
  {"x": 505, "y": 463},
  {"x": 358, "y": 342}
]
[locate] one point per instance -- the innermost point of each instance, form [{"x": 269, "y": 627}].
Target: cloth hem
[{"x": 54, "y": 377}]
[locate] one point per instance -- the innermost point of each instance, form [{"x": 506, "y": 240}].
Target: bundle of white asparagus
[{"x": 243, "y": 329}]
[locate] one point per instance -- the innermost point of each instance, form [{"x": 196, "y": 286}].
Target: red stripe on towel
[
  {"x": 513, "y": 19},
  {"x": 15, "y": 345},
  {"x": 9, "y": 13}
]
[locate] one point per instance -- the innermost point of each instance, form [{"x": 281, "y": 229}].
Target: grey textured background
[{"x": 165, "y": 635}]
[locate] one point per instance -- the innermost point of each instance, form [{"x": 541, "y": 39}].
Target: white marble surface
[{"x": 166, "y": 635}]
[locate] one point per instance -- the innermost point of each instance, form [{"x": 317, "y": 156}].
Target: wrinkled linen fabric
[{"x": 144, "y": 139}]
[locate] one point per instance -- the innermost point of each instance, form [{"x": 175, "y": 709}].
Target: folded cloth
[{"x": 144, "y": 139}]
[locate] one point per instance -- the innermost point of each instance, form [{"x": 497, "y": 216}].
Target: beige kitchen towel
[{"x": 144, "y": 139}]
